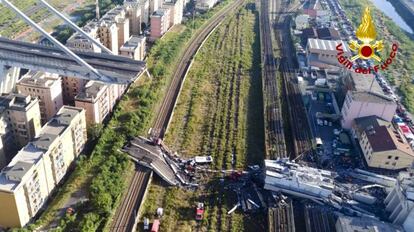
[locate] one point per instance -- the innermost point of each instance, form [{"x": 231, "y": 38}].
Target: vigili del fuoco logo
[{"x": 366, "y": 48}]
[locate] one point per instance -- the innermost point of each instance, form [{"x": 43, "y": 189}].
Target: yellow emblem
[{"x": 366, "y": 34}]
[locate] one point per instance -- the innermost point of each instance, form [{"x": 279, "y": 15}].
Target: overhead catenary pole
[
  {"x": 91, "y": 70},
  {"x": 75, "y": 27}
]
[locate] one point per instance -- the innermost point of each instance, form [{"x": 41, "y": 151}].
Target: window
[
  {"x": 387, "y": 163},
  {"x": 389, "y": 157},
  {"x": 396, "y": 158}
]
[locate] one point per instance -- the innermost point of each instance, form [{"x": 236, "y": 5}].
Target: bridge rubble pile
[{"x": 324, "y": 187}]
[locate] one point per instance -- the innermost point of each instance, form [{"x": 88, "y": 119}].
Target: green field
[{"x": 219, "y": 113}]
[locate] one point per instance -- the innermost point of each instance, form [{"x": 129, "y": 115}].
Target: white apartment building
[
  {"x": 47, "y": 87},
  {"x": 359, "y": 104},
  {"x": 176, "y": 11},
  {"x": 19, "y": 121},
  {"x": 28, "y": 180},
  {"x": 134, "y": 48},
  {"x": 95, "y": 100}
]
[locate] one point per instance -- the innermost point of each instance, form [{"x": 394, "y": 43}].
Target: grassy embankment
[
  {"x": 103, "y": 174},
  {"x": 219, "y": 113},
  {"x": 401, "y": 72}
]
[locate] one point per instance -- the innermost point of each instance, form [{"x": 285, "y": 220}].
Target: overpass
[
  {"x": 112, "y": 69},
  {"x": 61, "y": 60}
]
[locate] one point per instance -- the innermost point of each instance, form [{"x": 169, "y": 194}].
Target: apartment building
[
  {"x": 95, "y": 100},
  {"x": 138, "y": 12},
  {"x": 382, "y": 145},
  {"x": 71, "y": 86},
  {"x": 134, "y": 48},
  {"x": 47, "y": 87},
  {"x": 28, "y": 180},
  {"x": 133, "y": 12},
  {"x": 160, "y": 22},
  {"x": 204, "y": 5},
  {"x": 80, "y": 42},
  {"x": 115, "y": 92},
  {"x": 116, "y": 17},
  {"x": 154, "y": 5},
  {"x": 176, "y": 11},
  {"x": 7, "y": 147},
  {"x": 359, "y": 104},
  {"x": 108, "y": 35},
  {"x": 19, "y": 121}
]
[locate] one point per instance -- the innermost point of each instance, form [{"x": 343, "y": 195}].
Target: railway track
[
  {"x": 126, "y": 213},
  {"x": 275, "y": 137},
  {"x": 300, "y": 129},
  {"x": 160, "y": 126},
  {"x": 280, "y": 218}
]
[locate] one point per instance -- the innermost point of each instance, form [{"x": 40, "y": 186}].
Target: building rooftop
[
  {"x": 365, "y": 82},
  {"x": 28, "y": 156},
  {"x": 132, "y": 43},
  {"x": 363, "y": 123},
  {"x": 115, "y": 15},
  {"x": 91, "y": 28},
  {"x": 329, "y": 33},
  {"x": 25, "y": 159},
  {"x": 386, "y": 138},
  {"x": 372, "y": 97},
  {"x": 160, "y": 12},
  {"x": 16, "y": 102},
  {"x": 326, "y": 45},
  {"x": 358, "y": 224},
  {"x": 38, "y": 79},
  {"x": 92, "y": 91},
  {"x": 17, "y": 171}
]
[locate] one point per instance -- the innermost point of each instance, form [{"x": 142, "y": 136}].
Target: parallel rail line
[
  {"x": 126, "y": 213},
  {"x": 275, "y": 137}
]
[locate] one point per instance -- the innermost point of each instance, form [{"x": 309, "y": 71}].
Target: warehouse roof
[{"x": 326, "y": 45}]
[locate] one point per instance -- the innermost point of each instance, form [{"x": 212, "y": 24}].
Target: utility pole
[{"x": 98, "y": 15}]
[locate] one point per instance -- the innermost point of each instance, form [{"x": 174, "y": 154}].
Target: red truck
[{"x": 155, "y": 226}]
